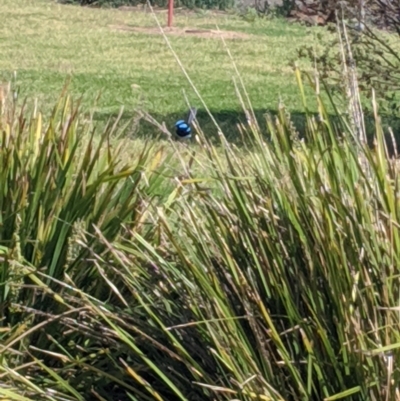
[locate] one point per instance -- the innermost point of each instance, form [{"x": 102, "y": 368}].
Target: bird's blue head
[{"x": 183, "y": 129}]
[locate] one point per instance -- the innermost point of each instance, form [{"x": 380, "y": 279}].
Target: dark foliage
[{"x": 206, "y": 4}]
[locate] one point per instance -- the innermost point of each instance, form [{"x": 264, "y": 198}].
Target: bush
[{"x": 374, "y": 44}]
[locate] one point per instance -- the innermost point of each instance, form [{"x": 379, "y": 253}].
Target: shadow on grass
[{"x": 229, "y": 120}]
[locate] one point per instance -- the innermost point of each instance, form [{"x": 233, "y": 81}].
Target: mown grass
[{"x": 45, "y": 42}]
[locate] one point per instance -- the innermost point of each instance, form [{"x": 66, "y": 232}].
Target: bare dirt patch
[
  {"x": 142, "y": 8},
  {"x": 200, "y": 33}
]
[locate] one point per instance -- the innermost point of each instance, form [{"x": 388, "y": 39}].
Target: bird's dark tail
[{"x": 191, "y": 115}]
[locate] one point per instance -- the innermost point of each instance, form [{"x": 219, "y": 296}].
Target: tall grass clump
[
  {"x": 60, "y": 180},
  {"x": 268, "y": 272},
  {"x": 277, "y": 282}
]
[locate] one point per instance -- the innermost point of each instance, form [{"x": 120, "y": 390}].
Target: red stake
[{"x": 170, "y": 12}]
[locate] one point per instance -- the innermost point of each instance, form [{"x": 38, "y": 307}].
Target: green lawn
[{"x": 45, "y": 42}]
